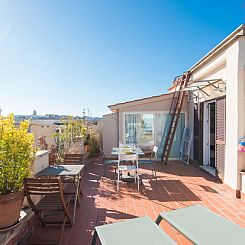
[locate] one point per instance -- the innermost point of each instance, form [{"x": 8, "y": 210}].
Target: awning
[{"x": 201, "y": 85}]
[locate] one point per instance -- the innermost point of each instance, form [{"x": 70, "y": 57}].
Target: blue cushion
[
  {"x": 111, "y": 162},
  {"x": 145, "y": 161}
]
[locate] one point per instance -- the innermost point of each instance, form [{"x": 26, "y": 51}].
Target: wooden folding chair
[
  {"x": 74, "y": 159},
  {"x": 52, "y": 201}
]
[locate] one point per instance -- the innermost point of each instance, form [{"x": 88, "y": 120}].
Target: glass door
[
  {"x": 146, "y": 130},
  {"x": 139, "y": 130}
]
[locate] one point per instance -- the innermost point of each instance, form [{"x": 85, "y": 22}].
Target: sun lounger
[
  {"x": 202, "y": 226},
  {"x": 138, "y": 231}
]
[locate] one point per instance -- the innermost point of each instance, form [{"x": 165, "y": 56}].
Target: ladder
[{"x": 174, "y": 114}]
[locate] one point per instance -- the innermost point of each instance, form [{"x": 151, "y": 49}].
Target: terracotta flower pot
[{"x": 10, "y": 207}]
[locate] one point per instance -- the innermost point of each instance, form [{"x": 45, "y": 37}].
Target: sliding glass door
[
  {"x": 146, "y": 130},
  {"x": 139, "y": 129}
]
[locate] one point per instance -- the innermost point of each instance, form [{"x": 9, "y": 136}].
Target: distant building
[
  {"x": 44, "y": 128},
  {"x": 47, "y": 125}
]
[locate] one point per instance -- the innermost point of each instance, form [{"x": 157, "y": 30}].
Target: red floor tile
[{"x": 178, "y": 186}]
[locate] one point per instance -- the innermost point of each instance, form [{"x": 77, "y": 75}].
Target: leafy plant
[
  {"x": 93, "y": 143},
  {"x": 71, "y": 131},
  {"x": 16, "y": 153},
  {"x": 42, "y": 143}
]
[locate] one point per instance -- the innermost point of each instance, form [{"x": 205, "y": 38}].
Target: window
[
  {"x": 146, "y": 129},
  {"x": 139, "y": 129}
]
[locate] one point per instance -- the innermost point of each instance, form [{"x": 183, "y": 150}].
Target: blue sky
[{"x": 61, "y": 56}]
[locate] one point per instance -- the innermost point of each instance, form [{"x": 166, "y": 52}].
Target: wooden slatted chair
[
  {"x": 52, "y": 201},
  {"x": 74, "y": 159},
  {"x": 71, "y": 159}
]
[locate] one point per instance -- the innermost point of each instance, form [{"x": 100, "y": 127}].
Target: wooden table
[
  {"x": 74, "y": 171},
  {"x": 202, "y": 226}
]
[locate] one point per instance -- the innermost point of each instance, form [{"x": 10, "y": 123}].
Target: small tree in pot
[{"x": 16, "y": 154}]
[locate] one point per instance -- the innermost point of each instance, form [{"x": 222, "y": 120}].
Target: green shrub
[
  {"x": 16, "y": 154},
  {"x": 69, "y": 132},
  {"x": 74, "y": 129},
  {"x": 93, "y": 144}
]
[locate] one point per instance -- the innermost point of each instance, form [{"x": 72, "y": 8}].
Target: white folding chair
[
  {"x": 107, "y": 162},
  {"x": 122, "y": 158},
  {"x": 151, "y": 161}
]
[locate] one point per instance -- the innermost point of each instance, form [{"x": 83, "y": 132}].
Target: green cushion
[
  {"x": 202, "y": 226},
  {"x": 137, "y": 231}
]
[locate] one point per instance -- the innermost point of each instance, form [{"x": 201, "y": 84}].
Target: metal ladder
[{"x": 174, "y": 113}]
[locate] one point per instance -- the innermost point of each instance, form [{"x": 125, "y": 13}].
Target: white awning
[{"x": 201, "y": 85}]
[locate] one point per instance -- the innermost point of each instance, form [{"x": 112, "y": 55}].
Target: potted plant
[{"x": 16, "y": 154}]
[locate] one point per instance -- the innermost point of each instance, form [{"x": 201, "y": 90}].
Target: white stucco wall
[
  {"x": 230, "y": 177},
  {"x": 110, "y": 133},
  {"x": 235, "y": 112},
  {"x": 241, "y": 105},
  {"x": 40, "y": 162}
]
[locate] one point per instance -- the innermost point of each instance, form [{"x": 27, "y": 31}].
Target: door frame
[{"x": 206, "y": 132}]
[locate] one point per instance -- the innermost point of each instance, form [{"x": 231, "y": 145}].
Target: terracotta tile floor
[{"x": 177, "y": 186}]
